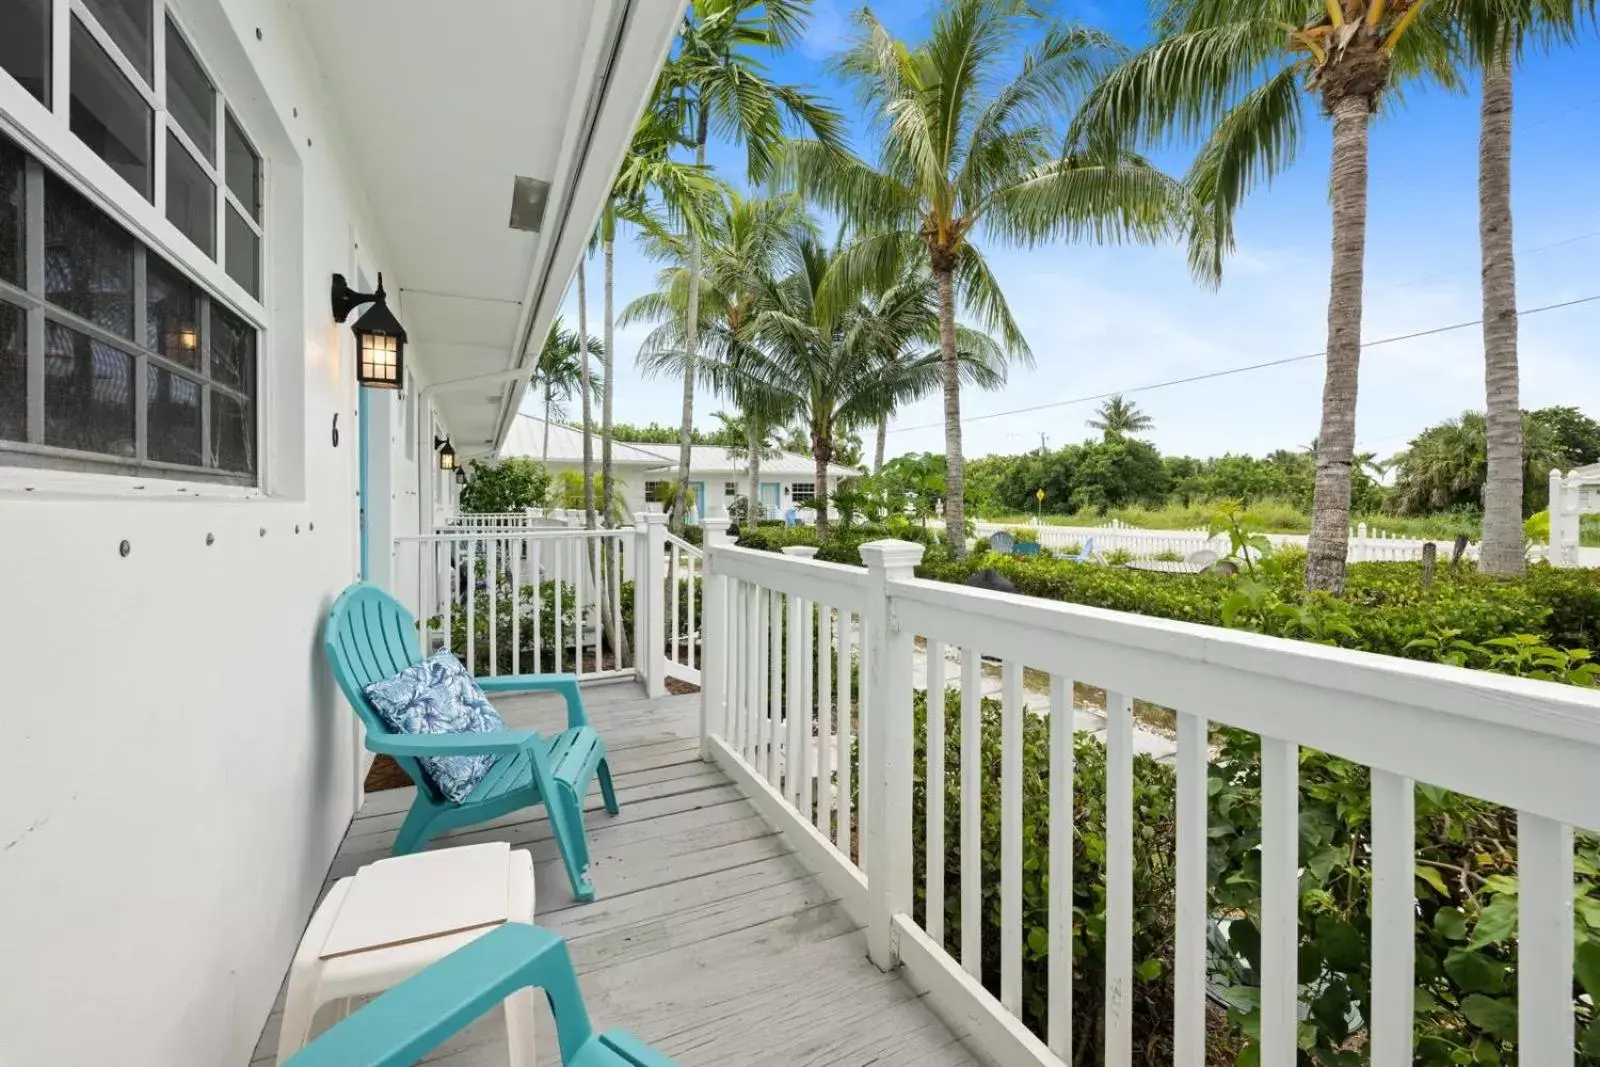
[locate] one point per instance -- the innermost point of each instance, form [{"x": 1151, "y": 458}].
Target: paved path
[{"x": 1084, "y": 717}]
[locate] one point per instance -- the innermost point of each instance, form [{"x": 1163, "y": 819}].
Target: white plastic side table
[{"x": 377, "y": 941}]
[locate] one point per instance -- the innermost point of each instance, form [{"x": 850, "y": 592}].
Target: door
[
  {"x": 770, "y": 498},
  {"x": 699, "y": 489}
]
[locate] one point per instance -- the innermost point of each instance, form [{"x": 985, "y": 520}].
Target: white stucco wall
[{"x": 179, "y": 767}]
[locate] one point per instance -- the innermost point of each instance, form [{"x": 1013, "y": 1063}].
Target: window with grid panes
[
  {"x": 112, "y": 356},
  {"x": 800, "y": 492}
]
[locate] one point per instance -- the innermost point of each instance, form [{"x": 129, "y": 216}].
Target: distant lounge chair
[
  {"x": 1086, "y": 554},
  {"x": 1002, "y": 543}
]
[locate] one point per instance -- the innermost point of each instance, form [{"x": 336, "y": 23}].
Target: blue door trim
[{"x": 361, "y": 489}]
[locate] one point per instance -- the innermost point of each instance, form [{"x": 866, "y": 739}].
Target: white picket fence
[
  {"x": 785, "y": 733},
  {"x": 1367, "y": 544}
]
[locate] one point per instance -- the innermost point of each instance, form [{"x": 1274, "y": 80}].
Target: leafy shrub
[
  {"x": 1384, "y": 607},
  {"x": 1024, "y": 535},
  {"x": 1536, "y": 528}
]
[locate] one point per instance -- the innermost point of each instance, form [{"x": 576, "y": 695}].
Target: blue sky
[{"x": 1101, "y": 319}]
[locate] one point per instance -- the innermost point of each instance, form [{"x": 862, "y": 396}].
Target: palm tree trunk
[
  {"x": 583, "y": 385},
  {"x": 691, "y": 340},
  {"x": 883, "y": 438},
  {"x": 549, "y": 402},
  {"x": 1503, "y": 550},
  {"x": 955, "y": 511},
  {"x": 753, "y": 444},
  {"x": 1330, "y": 507},
  {"x": 609, "y": 361},
  {"x": 821, "y": 455}
]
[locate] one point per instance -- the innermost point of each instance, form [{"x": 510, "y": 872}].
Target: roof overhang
[{"x": 444, "y": 108}]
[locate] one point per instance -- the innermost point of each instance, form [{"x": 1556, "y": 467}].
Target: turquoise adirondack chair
[
  {"x": 370, "y": 636},
  {"x": 421, "y": 1013}
]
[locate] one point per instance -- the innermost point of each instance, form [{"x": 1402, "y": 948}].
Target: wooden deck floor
[{"x": 707, "y": 938}]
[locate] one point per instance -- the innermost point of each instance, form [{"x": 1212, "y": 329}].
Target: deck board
[{"x": 708, "y": 938}]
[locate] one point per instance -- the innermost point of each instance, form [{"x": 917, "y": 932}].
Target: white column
[
  {"x": 1563, "y": 513},
  {"x": 649, "y": 603},
  {"x": 889, "y": 728},
  {"x": 715, "y": 642}
]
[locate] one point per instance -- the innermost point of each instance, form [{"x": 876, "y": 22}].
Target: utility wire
[{"x": 1241, "y": 370}]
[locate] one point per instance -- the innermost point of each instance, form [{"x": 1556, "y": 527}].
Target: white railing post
[
  {"x": 715, "y": 641},
  {"x": 889, "y": 735},
  {"x": 649, "y": 604}
]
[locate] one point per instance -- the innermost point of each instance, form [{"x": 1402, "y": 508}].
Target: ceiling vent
[{"x": 528, "y": 199}]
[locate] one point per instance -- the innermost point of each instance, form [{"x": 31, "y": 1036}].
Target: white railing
[
  {"x": 500, "y": 520},
  {"x": 1531, "y": 746},
  {"x": 521, "y": 601},
  {"x": 784, "y": 636},
  {"x": 681, "y": 638}
]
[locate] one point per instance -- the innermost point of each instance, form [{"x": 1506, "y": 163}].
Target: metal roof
[
  {"x": 566, "y": 446},
  {"x": 715, "y": 459}
]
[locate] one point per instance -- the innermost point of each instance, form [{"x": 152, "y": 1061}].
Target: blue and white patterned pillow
[{"x": 438, "y": 696}]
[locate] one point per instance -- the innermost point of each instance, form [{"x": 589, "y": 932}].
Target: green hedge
[{"x": 1384, "y": 604}]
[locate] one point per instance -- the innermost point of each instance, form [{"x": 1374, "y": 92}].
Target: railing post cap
[
  {"x": 803, "y": 551},
  {"x": 890, "y": 553},
  {"x": 653, "y": 518}
]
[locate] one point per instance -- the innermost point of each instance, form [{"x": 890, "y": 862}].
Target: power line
[
  {"x": 1519, "y": 254},
  {"x": 1241, "y": 370}
]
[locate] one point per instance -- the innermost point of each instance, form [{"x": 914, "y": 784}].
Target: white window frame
[
  {"x": 795, "y": 488},
  {"x": 46, "y": 135}
]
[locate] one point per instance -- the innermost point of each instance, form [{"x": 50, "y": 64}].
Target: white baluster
[
  {"x": 1280, "y": 899},
  {"x": 1189, "y": 967},
  {"x": 971, "y": 814},
  {"x": 1394, "y": 909},
  {"x": 1058, "y": 1000},
  {"x": 1011, "y": 837},
  {"x": 1119, "y": 880}
]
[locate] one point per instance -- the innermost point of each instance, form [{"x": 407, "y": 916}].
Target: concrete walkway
[{"x": 1085, "y": 718}]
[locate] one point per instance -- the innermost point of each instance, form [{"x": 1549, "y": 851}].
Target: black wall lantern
[
  {"x": 447, "y": 453},
  {"x": 380, "y": 339},
  {"x": 461, "y": 476}
]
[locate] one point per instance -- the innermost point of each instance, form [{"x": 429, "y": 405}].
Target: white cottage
[
  {"x": 717, "y": 475},
  {"x": 189, "y": 474}
]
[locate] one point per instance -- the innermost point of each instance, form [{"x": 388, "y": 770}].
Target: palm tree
[
  {"x": 657, "y": 194},
  {"x": 757, "y": 440},
  {"x": 744, "y": 240},
  {"x": 560, "y": 372},
  {"x": 583, "y": 389},
  {"x": 833, "y": 355},
  {"x": 718, "y": 78},
  {"x": 967, "y": 148},
  {"x": 1120, "y": 418},
  {"x": 1494, "y": 34},
  {"x": 1239, "y": 72}
]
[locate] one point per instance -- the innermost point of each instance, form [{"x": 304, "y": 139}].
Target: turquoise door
[
  {"x": 699, "y": 501},
  {"x": 770, "y": 498}
]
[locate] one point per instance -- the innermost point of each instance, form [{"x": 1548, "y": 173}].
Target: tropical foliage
[
  {"x": 511, "y": 485},
  {"x": 968, "y": 124}
]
